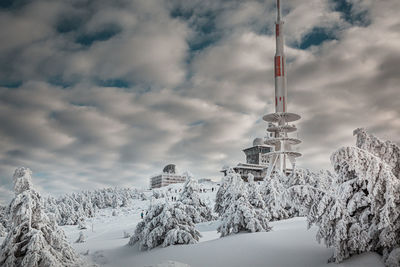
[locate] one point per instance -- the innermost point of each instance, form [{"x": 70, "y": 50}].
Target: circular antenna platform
[
  {"x": 288, "y": 153},
  {"x": 281, "y": 116},
  {"x": 282, "y": 128},
  {"x": 276, "y": 141}
]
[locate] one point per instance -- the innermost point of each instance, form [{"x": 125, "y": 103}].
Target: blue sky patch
[
  {"x": 316, "y": 37},
  {"x": 107, "y": 33},
  {"x": 10, "y": 84},
  {"x": 346, "y": 8},
  {"x": 120, "y": 83}
]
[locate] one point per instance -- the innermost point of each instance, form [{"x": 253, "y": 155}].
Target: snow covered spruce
[
  {"x": 194, "y": 205},
  {"x": 362, "y": 212},
  {"x": 239, "y": 215},
  {"x": 165, "y": 224},
  {"x": 34, "y": 239}
]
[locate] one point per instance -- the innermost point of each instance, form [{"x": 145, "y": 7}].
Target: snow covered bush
[
  {"x": 240, "y": 215},
  {"x": 194, "y": 205},
  {"x": 126, "y": 234},
  {"x": 34, "y": 239},
  {"x": 362, "y": 212},
  {"x": 81, "y": 238},
  {"x": 164, "y": 225},
  {"x": 82, "y": 224}
]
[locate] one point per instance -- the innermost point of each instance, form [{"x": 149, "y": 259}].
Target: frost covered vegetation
[
  {"x": 356, "y": 209},
  {"x": 71, "y": 208},
  {"x": 353, "y": 210},
  {"x": 173, "y": 223},
  {"x": 34, "y": 239},
  {"x": 243, "y": 209},
  {"x": 165, "y": 224},
  {"x": 361, "y": 211}
]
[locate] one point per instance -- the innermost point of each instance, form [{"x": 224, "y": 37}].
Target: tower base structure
[{"x": 283, "y": 159}]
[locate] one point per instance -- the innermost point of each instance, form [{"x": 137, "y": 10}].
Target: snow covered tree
[
  {"x": 164, "y": 225},
  {"x": 305, "y": 190},
  {"x": 254, "y": 195},
  {"x": 81, "y": 238},
  {"x": 362, "y": 213},
  {"x": 34, "y": 240},
  {"x": 274, "y": 194},
  {"x": 194, "y": 205},
  {"x": 240, "y": 215},
  {"x": 223, "y": 195}
]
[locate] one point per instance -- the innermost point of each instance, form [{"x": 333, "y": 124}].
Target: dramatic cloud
[{"x": 100, "y": 93}]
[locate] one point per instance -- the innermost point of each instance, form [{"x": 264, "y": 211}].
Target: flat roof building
[{"x": 167, "y": 177}]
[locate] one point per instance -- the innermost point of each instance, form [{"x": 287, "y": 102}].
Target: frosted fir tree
[
  {"x": 305, "y": 191},
  {"x": 363, "y": 212},
  {"x": 34, "y": 240},
  {"x": 275, "y": 197},
  {"x": 224, "y": 193},
  {"x": 194, "y": 206},
  {"x": 164, "y": 225},
  {"x": 254, "y": 195},
  {"x": 240, "y": 215}
]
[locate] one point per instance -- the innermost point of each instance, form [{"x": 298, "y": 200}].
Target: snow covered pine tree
[
  {"x": 274, "y": 194},
  {"x": 362, "y": 214},
  {"x": 194, "y": 206},
  {"x": 165, "y": 224},
  {"x": 34, "y": 240},
  {"x": 220, "y": 198},
  {"x": 240, "y": 215}
]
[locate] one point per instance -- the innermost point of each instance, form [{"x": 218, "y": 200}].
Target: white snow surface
[{"x": 288, "y": 244}]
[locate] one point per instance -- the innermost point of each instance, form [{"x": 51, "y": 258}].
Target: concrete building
[
  {"x": 167, "y": 177},
  {"x": 256, "y": 161}
]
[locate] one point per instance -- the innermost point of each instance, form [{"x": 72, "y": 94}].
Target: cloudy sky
[{"x": 105, "y": 93}]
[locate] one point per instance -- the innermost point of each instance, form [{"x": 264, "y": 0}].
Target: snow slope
[{"x": 289, "y": 244}]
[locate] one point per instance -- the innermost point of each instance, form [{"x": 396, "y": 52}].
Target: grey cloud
[{"x": 197, "y": 109}]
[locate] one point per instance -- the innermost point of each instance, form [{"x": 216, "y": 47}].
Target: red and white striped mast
[
  {"x": 280, "y": 75},
  {"x": 279, "y": 121}
]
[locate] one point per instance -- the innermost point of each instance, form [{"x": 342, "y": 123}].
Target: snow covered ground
[{"x": 289, "y": 244}]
